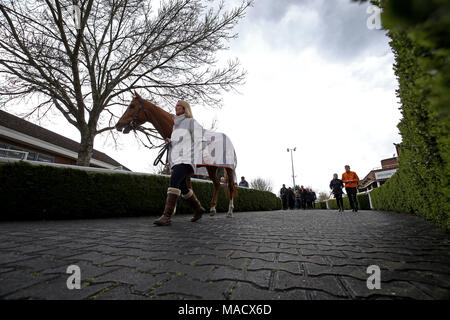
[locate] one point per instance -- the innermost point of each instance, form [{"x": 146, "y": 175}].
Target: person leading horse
[{"x": 182, "y": 165}]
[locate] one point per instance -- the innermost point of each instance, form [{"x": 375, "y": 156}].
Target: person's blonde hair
[{"x": 187, "y": 108}]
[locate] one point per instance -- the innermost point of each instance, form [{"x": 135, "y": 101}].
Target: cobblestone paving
[{"x": 315, "y": 254}]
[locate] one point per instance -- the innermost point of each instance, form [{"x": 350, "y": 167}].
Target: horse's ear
[{"x": 136, "y": 94}]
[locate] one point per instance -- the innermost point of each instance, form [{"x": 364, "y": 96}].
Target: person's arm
[
  {"x": 348, "y": 180},
  {"x": 354, "y": 178}
]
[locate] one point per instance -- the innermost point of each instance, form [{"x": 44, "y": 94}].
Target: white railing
[
  {"x": 370, "y": 198},
  {"x": 368, "y": 193}
]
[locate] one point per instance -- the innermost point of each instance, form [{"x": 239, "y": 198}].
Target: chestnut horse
[{"x": 140, "y": 111}]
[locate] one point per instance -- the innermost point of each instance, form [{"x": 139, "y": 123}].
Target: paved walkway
[{"x": 259, "y": 255}]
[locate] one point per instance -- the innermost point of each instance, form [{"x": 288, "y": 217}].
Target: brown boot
[
  {"x": 195, "y": 204},
  {"x": 171, "y": 201}
]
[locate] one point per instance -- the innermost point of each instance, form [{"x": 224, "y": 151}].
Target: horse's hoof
[
  {"x": 229, "y": 215},
  {"x": 212, "y": 213}
]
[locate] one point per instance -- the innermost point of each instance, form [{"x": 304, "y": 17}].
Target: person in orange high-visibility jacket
[{"x": 350, "y": 179}]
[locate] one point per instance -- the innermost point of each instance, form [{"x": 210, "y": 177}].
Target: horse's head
[{"x": 134, "y": 115}]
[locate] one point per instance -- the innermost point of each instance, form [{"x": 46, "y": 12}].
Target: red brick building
[
  {"x": 20, "y": 138},
  {"x": 377, "y": 177}
]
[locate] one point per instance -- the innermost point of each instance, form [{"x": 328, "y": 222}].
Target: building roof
[
  {"x": 388, "y": 164},
  {"x": 20, "y": 125}
]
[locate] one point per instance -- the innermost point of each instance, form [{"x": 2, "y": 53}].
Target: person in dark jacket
[
  {"x": 243, "y": 183},
  {"x": 309, "y": 198},
  {"x": 303, "y": 193},
  {"x": 291, "y": 198},
  {"x": 283, "y": 195},
  {"x": 336, "y": 186},
  {"x": 314, "y": 198}
]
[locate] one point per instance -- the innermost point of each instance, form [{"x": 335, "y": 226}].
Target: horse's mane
[{"x": 161, "y": 119}]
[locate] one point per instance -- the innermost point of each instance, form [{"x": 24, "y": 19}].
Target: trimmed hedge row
[
  {"x": 321, "y": 205},
  {"x": 420, "y": 33},
  {"x": 420, "y": 186},
  {"x": 363, "y": 202},
  {"x": 45, "y": 192},
  {"x": 398, "y": 195}
]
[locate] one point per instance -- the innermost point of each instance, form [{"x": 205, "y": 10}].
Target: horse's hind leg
[
  {"x": 230, "y": 209},
  {"x": 212, "y": 172},
  {"x": 231, "y": 186}
]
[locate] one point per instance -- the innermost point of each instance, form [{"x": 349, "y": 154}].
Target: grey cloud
[{"x": 335, "y": 28}]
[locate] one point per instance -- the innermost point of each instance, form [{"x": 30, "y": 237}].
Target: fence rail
[{"x": 365, "y": 192}]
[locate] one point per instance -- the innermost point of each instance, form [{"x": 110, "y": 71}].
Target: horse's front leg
[
  {"x": 212, "y": 172},
  {"x": 213, "y": 210}
]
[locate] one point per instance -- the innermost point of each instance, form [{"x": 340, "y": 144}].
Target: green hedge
[
  {"x": 321, "y": 205},
  {"x": 45, "y": 192},
  {"x": 332, "y": 204},
  {"x": 363, "y": 203},
  {"x": 419, "y": 32},
  {"x": 398, "y": 195}
]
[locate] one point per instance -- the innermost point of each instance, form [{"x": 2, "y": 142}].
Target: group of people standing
[
  {"x": 350, "y": 179},
  {"x": 304, "y": 198},
  {"x": 301, "y": 198}
]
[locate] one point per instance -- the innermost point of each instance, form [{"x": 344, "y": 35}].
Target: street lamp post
[{"x": 292, "y": 161}]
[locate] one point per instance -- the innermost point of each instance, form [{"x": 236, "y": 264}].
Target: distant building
[
  {"x": 20, "y": 138},
  {"x": 377, "y": 177}
]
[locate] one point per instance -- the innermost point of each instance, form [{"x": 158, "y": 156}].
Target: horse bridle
[{"x": 132, "y": 124}]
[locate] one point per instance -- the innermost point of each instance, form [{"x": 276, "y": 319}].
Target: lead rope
[{"x": 160, "y": 155}]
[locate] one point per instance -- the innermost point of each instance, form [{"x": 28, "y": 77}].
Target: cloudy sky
[{"x": 318, "y": 80}]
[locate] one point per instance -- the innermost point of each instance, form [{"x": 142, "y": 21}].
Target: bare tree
[
  {"x": 84, "y": 68},
  {"x": 261, "y": 184},
  {"x": 323, "y": 196}
]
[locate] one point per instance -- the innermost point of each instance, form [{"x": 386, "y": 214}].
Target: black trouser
[
  {"x": 291, "y": 202},
  {"x": 178, "y": 178},
  {"x": 340, "y": 202},
  {"x": 351, "y": 193},
  {"x": 284, "y": 201}
]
